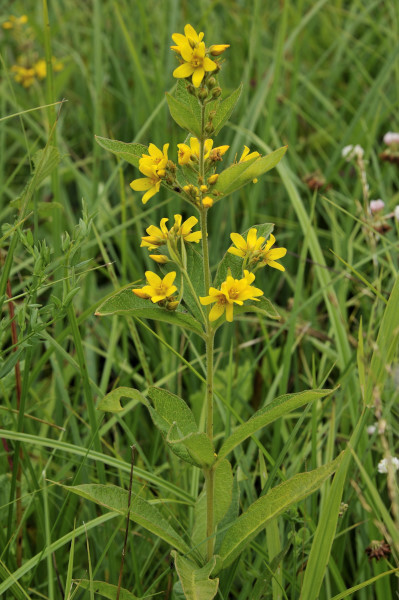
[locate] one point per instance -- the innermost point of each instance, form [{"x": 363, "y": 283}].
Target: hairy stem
[{"x": 209, "y": 474}]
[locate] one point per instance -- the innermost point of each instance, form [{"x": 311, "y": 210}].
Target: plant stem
[{"x": 209, "y": 473}]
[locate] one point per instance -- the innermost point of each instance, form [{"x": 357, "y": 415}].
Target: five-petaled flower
[
  {"x": 157, "y": 236},
  {"x": 245, "y": 248},
  {"x": 232, "y": 291},
  {"x": 152, "y": 165},
  {"x": 192, "y": 50},
  {"x": 269, "y": 256},
  {"x": 157, "y": 289}
]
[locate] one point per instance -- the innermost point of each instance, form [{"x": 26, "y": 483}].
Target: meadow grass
[{"x": 317, "y": 76}]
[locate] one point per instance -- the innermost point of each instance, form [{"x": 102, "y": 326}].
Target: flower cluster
[
  {"x": 195, "y": 180},
  {"x": 28, "y": 67},
  {"x": 194, "y": 56}
]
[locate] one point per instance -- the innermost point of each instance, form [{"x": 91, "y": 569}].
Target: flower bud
[
  {"x": 376, "y": 205},
  {"x": 213, "y": 179},
  {"x": 216, "y": 92},
  {"x": 391, "y": 138},
  {"x": 203, "y": 188},
  {"x": 217, "y": 49},
  {"x": 191, "y": 89},
  {"x": 203, "y": 93},
  {"x": 172, "y": 305},
  {"x": 207, "y": 202},
  {"x": 211, "y": 82},
  {"x": 209, "y": 128},
  {"x": 159, "y": 258}
]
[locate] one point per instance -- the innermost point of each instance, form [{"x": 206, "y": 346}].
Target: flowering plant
[{"x": 188, "y": 296}]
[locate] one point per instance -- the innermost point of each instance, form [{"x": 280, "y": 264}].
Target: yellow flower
[
  {"x": 150, "y": 183},
  {"x": 23, "y": 75},
  {"x": 156, "y": 236},
  {"x": 15, "y": 21},
  {"x": 184, "y": 230},
  {"x": 157, "y": 289},
  {"x": 190, "y": 39},
  {"x": 184, "y": 154},
  {"x": 40, "y": 68},
  {"x": 217, "y": 49},
  {"x": 244, "y": 248},
  {"x": 217, "y": 153},
  {"x": 269, "y": 256},
  {"x": 192, "y": 50},
  {"x": 195, "y": 147},
  {"x": 233, "y": 291},
  {"x": 246, "y": 156},
  {"x": 155, "y": 157},
  {"x": 207, "y": 202}
]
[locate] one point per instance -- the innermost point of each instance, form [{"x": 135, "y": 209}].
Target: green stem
[{"x": 209, "y": 473}]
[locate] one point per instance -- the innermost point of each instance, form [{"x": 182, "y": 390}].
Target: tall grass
[{"x": 317, "y": 76}]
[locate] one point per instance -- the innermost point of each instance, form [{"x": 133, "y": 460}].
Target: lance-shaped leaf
[
  {"x": 112, "y": 401},
  {"x": 277, "y": 408},
  {"x": 235, "y": 177},
  {"x": 225, "y": 109},
  {"x": 124, "y": 302},
  {"x": 106, "y": 590},
  {"x": 233, "y": 263},
  {"x": 268, "y": 507},
  {"x": 195, "y": 272},
  {"x": 141, "y": 512},
  {"x": 195, "y": 580}
]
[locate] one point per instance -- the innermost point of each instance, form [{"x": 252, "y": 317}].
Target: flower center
[{"x": 233, "y": 292}]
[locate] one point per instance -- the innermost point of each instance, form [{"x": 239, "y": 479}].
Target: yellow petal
[
  {"x": 188, "y": 225},
  {"x": 151, "y": 192},
  {"x": 207, "y": 300},
  {"x": 169, "y": 279},
  {"x": 194, "y": 145},
  {"x": 178, "y": 220},
  {"x": 164, "y": 229},
  {"x": 276, "y": 253},
  {"x": 153, "y": 279},
  {"x": 209, "y": 65},
  {"x": 165, "y": 150},
  {"x": 216, "y": 311},
  {"x": 191, "y": 33},
  {"x": 251, "y": 238},
  {"x": 179, "y": 39},
  {"x": 142, "y": 184},
  {"x": 154, "y": 151},
  {"x": 140, "y": 294},
  {"x": 229, "y": 312},
  {"x": 239, "y": 241},
  {"x": 187, "y": 52},
  {"x": 159, "y": 258},
  {"x": 207, "y": 147},
  {"x": 158, "y": 298},
  {"x": 193, "y": 237},
  {"x": 198, "y": 76},
  {"x": 184, "y": 70},
  {"x": 249, "y": 277},
  {"x": 236, "y": 252},
  {"x": 275, "y": 265}
]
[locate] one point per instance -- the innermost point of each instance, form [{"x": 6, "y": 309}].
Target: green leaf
[
  {"x": 222, "y": 499},
  {"x": 235, "y": 263},
  {"x": 195, "y": 272},
  {"x": 184, "y": 115},
  {"x": 225, "y": 110},
  {"x": 111, "y": 402},
  {"x": 268, "y": 507},
  {"x": 131, "y": 152},
  {"x": 176, "y": 422},
  {"x": 264, "y": 307},
  {"x": 106, "y": 589},
  {"x": 141, "y": 512},
  {"x": 127, "y": 303},
  {"x": 199, "y": 446},
  {"x": 239, "y": 174},
  {"x": 277, "y": 408},
  {"x": 194, "y": 580}
]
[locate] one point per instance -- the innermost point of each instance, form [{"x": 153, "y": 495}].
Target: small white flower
[
  {"x": 351, "y": 151},
  {"x": 391, "y": 138},
  {"x": 385, "y": 463},
  {"x": 371, "y": 429},
  {"x": 376, "y": 205},
  {"x": 396, "y": 212}
]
